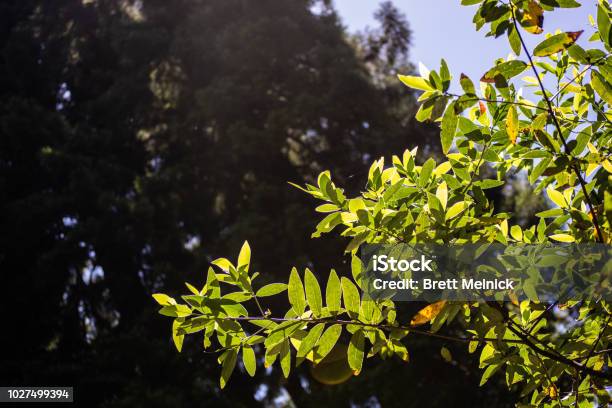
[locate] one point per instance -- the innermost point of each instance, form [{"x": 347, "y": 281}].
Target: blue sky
[{"x": 444, "y": 28}]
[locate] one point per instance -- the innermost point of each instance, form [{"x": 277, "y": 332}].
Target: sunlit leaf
[
  {"x": 563, "y": 238},
  {"x": 427, "y": 313},
  {"x": 415, "y": 82},
  {"x": 507, "y": 70},
  {"x": 556, "y": 43},
  {"x": 227, "y": 367},
  {"x": 296, "y": 292},
  {"x": 350, "y": 295},
  {"x": 333, "y": 292},
  {"x": 313, "y": 293},
  {"x": 533, "y": 18},
  {"x": 271, "y": 289},
  {"x": 601, "y": 86},
  {"x": 355, "y": 351},
  {"x": 512, "y": 124},
  {"x": 245, "y": 256},
  {"x": 248, "y": 359}
]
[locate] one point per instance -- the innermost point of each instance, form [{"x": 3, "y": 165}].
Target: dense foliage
[
  {"x": 138, "y": 140},
  {"x": 559, "y": 137}
]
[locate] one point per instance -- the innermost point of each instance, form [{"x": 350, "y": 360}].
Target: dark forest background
[{"x": 140, "y": 139}]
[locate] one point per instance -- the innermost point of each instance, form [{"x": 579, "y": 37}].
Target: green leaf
[
  {"x": 245, "y": 256},
  {"x": 327, "y": 341},
  {"x": 227, "y": 368},
  {"x": 285, "y": 358},
  {"x": 556, "y": 43},
  {"x": 601, "y": 86},
  {"x": 448, "y": 127},
  {"x": 333, "y": 292},
  {"x": 488, "y": 373},
  {"x": 248, "y": 359},
  {"x": 351, "y": 297},
  {"x": 355, "y": 351},
  {"x": 488, "y": 183},
  {"x": 415, "y": 82},
  {"x": 514, "y": 40},
  {"x": 309, "y": 342},
  {"x": 555, "y": 212},
  {"x": 163, "y": 299},
  {"x": 313, "y": 293},
  {"x": 516, "y": 232},
  {"x": 563, "y": 238},
  {"x": 175, "y": 311},
  {"x": 455, "y": 210},
  {"x": 467, "y": 85},
  {"x": 539, "y": 169},
  {"x": 556, "y": 197},
  {"x": 507, "y": 70},
  {"x": 603, "y": 25},
  {"x": 223, "y": 263},
  {"x": 446, "y": 354},
  {"x": 426, "y": 171},
  {"x": 177, "y": 338},
  {"x": 271, "y": 289},
  {"x": 296, "y": 293}
]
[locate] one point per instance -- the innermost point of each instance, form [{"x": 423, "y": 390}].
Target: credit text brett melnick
[{"x": 384, "y": 263}]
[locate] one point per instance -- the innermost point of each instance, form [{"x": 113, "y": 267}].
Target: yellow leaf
[
  {"x": 512, "y": 124},
  {"x": 455, "y": 210},
  {"x": 427, "y": 313},
  {"x": 533, "y": 18},
  {"x": 556, "y": 197},
  {"x": 552, "y": 391},
  {"x": 442, "y": 194},
  {"x": 563, "y": 238}
]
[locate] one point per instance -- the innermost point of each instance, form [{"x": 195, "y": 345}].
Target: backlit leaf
[
  {"x": 350, "y": 295},
  {"x": 533, "y": 18},
  {"x": 512, "y": 124},
  {"x": 355, "y": 351},
  {"x": 507, "y": 70},
  {"x": 248, "y": 359},
  {"x": 601, "y": 86},
  {"x": 556, "y": 43},
  {"x": 448, "y": 127},
  {"x": 427, "y": 313},
  {"x": 415, "y": 82},
  {"x": 556, "y": 197},
  {"x": 296, "y": 293},
  {"x": 313, "y": 293},
  {"x": 563, "y": 238},
  {"x": 442, "y": 194},
  {"x": 245, "y": 256},
  {"x": 327, "y": 341},
  {"x": 227, "y": 368},
  {"x": 333, "y": 292},
  {"x": 271, "y": 289}
]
